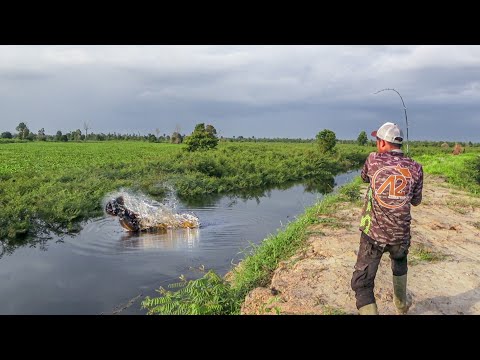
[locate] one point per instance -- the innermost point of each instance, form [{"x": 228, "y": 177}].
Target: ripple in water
[{"x": 105, "y": 237}]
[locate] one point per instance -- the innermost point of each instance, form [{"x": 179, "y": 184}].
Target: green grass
[
  {"x": 54, "y": 186},
  {"x": 421, "y": 253},
  {"x": 330, "y": 310},
  {"x": 462, "y": 171},
  {"x": 51, "y": 186}
]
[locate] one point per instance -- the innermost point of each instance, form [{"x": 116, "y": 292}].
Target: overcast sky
[{"x": 291, "y": 91}]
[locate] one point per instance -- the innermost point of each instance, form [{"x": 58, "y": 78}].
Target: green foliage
[
  {"x": 473, "y": 169},
  {"x": 151, "y": 138},
  {"x": 202, "y": 138},
  {"x": 326, "y": 140},
  {"x": 58, "y": 136},
  {"x": 23, "y": 131},
  {"x": 351, "y": 191},
  {"x": 421, "y": 253},
  {"x": 209, "y": 295},
  {"x": 362, "y": 139},
  {"x": 6, "y": 135},
  {"x": 176, "y": 138}
]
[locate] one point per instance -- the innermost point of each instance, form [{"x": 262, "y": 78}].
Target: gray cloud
[{"x": 262, "y": 91}]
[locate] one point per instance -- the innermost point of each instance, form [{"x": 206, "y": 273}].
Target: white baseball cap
[{"x": 389, "y": 132}]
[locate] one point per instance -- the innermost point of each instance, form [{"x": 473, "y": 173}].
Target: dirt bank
[{"x": 444, "y": 262}]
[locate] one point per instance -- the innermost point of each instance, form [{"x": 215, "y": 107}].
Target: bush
[
  {"x": 326, "y": 140},
  {"x": 202, "y": 138},
  {"x": 351, "y": 191}
]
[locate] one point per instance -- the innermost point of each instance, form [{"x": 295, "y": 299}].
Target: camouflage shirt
[{"x": 395, "y": 182}]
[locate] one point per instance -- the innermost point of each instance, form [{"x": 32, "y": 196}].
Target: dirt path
[{"x": 444, "y": 262}]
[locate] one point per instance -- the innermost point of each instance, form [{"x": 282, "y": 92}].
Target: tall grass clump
[{"x": 209, "y": 295}]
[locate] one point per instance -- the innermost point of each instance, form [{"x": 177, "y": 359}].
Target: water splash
[{"x": 155, "y": 215}]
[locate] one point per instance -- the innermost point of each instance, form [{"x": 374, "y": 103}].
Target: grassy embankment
[
  {"x": 214, "y": 295},
  {"x": 55, "y": 186}
]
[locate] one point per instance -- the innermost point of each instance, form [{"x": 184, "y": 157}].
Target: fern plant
[{"x": 209, "y": 295}]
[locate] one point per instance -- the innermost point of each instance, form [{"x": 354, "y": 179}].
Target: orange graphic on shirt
[{"x": 395, "y": 183}]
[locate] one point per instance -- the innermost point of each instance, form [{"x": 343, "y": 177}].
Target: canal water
[{"x": 106, "y": 270}]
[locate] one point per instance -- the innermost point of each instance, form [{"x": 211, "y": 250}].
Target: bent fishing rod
[{"x": 404, "y": 108}]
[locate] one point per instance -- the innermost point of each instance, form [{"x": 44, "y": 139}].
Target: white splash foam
[{"x": 154, "y": 214}]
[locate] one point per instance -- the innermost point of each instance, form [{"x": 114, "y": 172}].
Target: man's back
[{"x": 395, "y": 182}]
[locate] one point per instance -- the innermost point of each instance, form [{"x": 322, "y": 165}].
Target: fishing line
[{"x": 404, "y": 108}]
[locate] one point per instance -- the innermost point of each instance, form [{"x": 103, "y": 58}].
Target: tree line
[{"x": 24, "y": 133}]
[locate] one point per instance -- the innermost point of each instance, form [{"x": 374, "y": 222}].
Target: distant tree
[
  {"x": 152, "y": 138},
  {"x": 176, "y": 138},
  {"x": 86, "y": 126},
  {"x": 31, "y": 136},
  {"x": 201, "y": 139},
  {"x": 64, "y": 138},
  {"x": 58, "y": 137},
  {"x": 6, "y": 135},
  {"x": 41, "y": 135},
  {"x": 326, "y": 140},
  {"x": 362, "y": 138},
  {"x": 211, "y": 130},
  {"x": 77, "y": 135},
  {"x": 23, "y": 131}
]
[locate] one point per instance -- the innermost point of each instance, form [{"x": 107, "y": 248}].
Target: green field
[
  {"x": 54, "y": 186},
  {"x": 462, "y": 171}
]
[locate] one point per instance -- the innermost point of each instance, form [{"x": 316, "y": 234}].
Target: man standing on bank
[{"x": 396, "y": 181}]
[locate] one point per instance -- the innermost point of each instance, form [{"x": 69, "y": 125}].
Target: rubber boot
[
  {"x": 401, "y": 300},
  {"x": 370, "y": 309}
]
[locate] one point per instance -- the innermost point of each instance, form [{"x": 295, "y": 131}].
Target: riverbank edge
[{"x": 257, "y": 268}]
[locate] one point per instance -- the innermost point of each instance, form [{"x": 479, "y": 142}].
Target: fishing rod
[{"x": 404, "y": 108}]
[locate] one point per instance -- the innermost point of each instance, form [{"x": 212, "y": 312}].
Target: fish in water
[
  {"x": 128, "y": 219},
  {"x": 132, "y": 221}
]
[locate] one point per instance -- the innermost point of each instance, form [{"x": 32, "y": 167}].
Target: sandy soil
[{"x": 317, "y": 279}]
